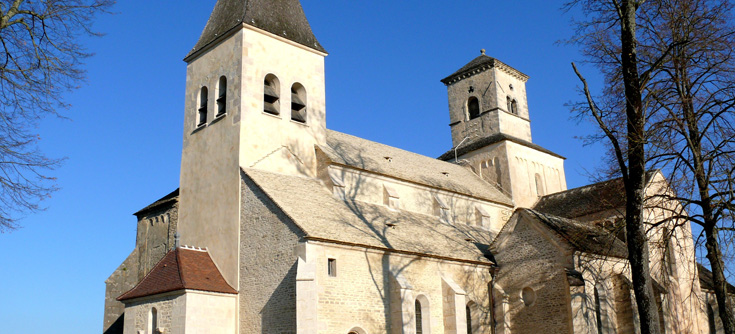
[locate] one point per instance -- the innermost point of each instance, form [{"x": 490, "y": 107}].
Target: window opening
[
  {"x": 222, "y": 98},
  {"x": 711, "y": 319},
  {"x": 203, "y": 101},
  {"x": 153, "y": 321},
  {"x": 332, "y": 267},
  {"x": 528, "y": 296},
  {"x": 473, "y": 107},
  {"x": 514, "y": 107},
  {"x": 509, "y": 106},
  {"x": 298, "y": 103},
  {"x": 270, "y": 95},
  {"x": 498, "y": 172},
  {"x": 419, "y": 318},
  {"x": 468, "y": 310},
  {"x": 482, "y": 216},
  {"x": 441, "y": 209},
  {"x": 598, "y": 311},
  {"x": 390, "y": 197}
]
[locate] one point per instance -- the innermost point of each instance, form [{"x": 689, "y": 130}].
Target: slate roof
[
  {"x": 589, "y": 199},
  {"x": 706, "y": 280},
  {"x": 284, "y": 18},
  {"x": 486, "y": 141},
  {"x": 321, "y": 216},
  {"x": 171, "y": 197},
  {"x": 581, "y": 236},
  {"x": 360, "y": 153},
  {"x": 479, "y": 63},
  {"x": 180, "y": 269}
]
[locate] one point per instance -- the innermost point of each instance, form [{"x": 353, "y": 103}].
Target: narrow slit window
[
  {"x": 332, "y": 267},
  {"x": 419, "y": 318},
  {"x": 539, "y": 185},
  {"x": 271, "y": 87},
  {"x": 222, "y": 96},
  {"x": 509, "y": 105},
  {"x": 514, "y": 107},
  {"x": 441, "y": 209},
  {"x": 473, "y": 107},
  {"x": 298, "y": 103},
  {"x": 203, "y": 101}
]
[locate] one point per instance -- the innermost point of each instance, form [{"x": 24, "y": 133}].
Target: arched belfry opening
[{"x": 473, "y": 107}]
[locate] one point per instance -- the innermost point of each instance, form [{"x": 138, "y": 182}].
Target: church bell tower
[
  {"x": 491, "y": 131},
  {"x": 255, "y": 98}
]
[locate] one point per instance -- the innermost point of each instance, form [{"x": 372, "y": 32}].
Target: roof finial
[
  {"x": 482, "y": 51},
  {"x": 177, "y": 240}
]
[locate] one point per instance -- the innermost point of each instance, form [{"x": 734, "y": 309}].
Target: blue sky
[{"x": 123, "y": 139}]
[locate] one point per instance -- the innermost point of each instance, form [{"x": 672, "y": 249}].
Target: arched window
[
  {"x": 598, "y": 311},
  {"x": 203, "y": 101},
  {"x": 509, "y": 104},
  {"x": 514, "y": 107},
  {"x": 539, "y": 185},
  {"x": 222, "y": 96},
  {"x": 711, "y": 319},
  {"x": 498, "y": 172},
  {"x": 298, "y": 103},
  {"x": 470, "y": 312},
  {"x": 152, "y": 321},
  {"x": 473, "y": 107},
  {"x": 271, "y": 87},
  {"x": 419, "y": 318}
]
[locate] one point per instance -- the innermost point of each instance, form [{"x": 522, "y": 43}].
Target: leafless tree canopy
[
  {"x": 41, "y": 60},
  {"x": 688, "y": 102}
]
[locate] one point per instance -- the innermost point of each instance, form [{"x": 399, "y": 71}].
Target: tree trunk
[
  {"x": 635, "y": 183},
  {"x": 718, "y": 278}
]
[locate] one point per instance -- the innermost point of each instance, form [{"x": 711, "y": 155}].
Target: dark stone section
[{"x": 284, "y": 18}]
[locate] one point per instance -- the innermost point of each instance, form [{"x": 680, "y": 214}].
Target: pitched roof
[
  {"x": 171, "y": 197},
  {"x": 480, "y": 63},
  {"x": 707, "y": 282},
  {"x": 180, "y": 269},
  {"x": 589, "y": 199},
  {"x": 496, "y": 138},
  {"x": 321, "y": 216},
  {"x": 581, "y": 236},
  {"x": 363, "y": 154},
  {"x": 284, "y": 18}
]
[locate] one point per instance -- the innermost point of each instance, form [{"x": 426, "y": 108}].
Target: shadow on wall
[{"x": 117, "y": 326}]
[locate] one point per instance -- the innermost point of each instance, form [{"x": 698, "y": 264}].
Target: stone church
[{"x": 283, "y": 226}]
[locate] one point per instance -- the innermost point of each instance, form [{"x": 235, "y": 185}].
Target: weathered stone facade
[{"x": 155, "y": 236}]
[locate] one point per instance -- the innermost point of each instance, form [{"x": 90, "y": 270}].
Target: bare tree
[
  {"x": 692, "y": 95},
  {"x": 609, "y": 38},
  {"x": 42, "y": 59},
  {"x": 688, "y": 96}
]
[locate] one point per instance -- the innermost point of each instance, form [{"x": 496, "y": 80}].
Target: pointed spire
[{"x": 284, "y": 18}]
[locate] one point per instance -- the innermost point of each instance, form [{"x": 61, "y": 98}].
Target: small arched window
[
  {"x": 598, "y": 311},
  {"x": 711, "y": 319},
  {"x": 514, "y": 107},
  {"x": 469, "y": 309},
  {"x": 419, "y": 318},
  {"x": 539, "y": 185},
  {"x": 271, "y": 87},
  {"x": 153, "y": 321},
  {"x": 509, "y": 104},
  {"x": 298, "y": 103},
  {"x": 473, "y": 107},
  {"x": 203, "y": 101},
  {"x": 222, "y": 96}
]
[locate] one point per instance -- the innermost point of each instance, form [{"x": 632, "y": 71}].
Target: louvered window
[
  {"x": 222, "y": 96},
  {"x": 270, "y": 95},
  {"x": 298, "y": 103}
]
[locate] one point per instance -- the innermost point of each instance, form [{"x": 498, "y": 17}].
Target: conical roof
[
  {"x": 479, "y": 64},
  {"x": 284, "y": 18}
]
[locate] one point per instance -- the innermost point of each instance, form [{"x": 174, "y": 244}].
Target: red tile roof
[{"x": 181, "y": 268}]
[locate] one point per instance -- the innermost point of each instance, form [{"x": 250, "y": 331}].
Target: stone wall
[
  {"x": 154, "y": 237},
  {"x": 532, "y": 258},
  {"x": 267, "y": 265},
  {"x": 170, "y": 309}
]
